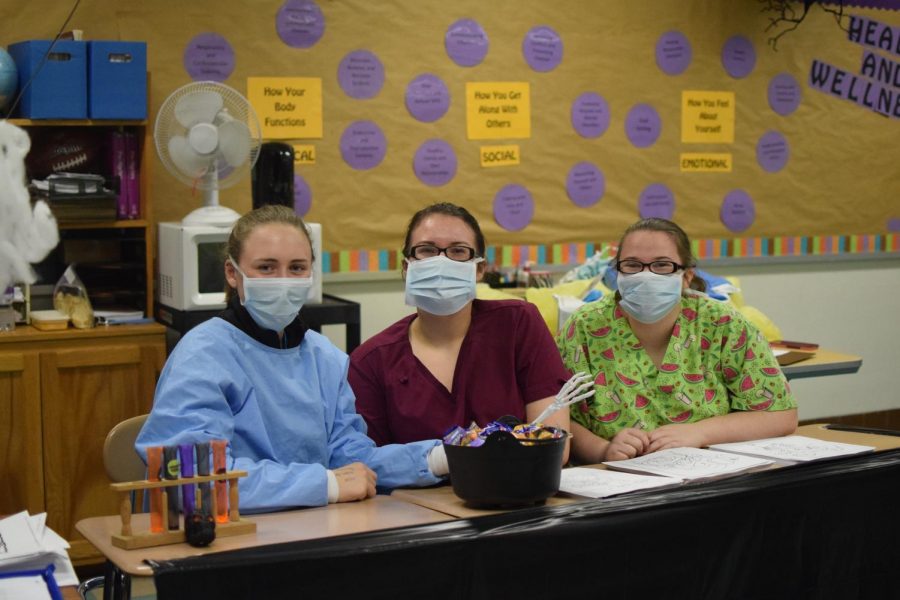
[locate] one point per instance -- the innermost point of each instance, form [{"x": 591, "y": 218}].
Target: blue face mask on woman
[
  {"x": 440, "y": 286},
  {"x": 649, "y": 297},
  {"x": 274, "y": 302}
]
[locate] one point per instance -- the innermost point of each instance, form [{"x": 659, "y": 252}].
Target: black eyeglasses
[
  {"x": 457, "y": 253},
  {"x": 660, "y": 267}
]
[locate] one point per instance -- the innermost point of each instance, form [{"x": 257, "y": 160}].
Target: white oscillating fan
[{"x": 207, "y": 135}]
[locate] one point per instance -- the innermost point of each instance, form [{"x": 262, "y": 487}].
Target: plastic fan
[{"x": 208, "y": 136}]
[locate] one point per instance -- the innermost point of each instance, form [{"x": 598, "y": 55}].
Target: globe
[{"x": 9, "y": 79}]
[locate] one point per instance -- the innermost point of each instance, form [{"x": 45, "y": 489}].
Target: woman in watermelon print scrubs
[{"x": 672, "y": 367}]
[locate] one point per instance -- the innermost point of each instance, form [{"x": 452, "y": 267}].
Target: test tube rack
[{"x": 129, "y": 540}]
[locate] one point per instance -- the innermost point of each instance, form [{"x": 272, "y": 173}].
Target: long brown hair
[
  {"x": 264, "y": 215},
  {"x": 682, "y": 244}
]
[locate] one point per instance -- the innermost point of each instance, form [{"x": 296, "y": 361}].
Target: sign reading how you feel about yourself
[{"x": 707, "y": 117}]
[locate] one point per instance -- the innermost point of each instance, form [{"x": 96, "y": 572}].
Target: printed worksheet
[
  {"x": 793, "y": 448},
  {"x": 689, "y": 463},
  {"x": 602, "y": 483}
]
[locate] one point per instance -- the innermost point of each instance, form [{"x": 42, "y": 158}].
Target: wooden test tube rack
[{"x": 129, "y": 540}]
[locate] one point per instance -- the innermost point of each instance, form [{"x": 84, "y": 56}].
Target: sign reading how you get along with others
[
  {"x": 287, "y": 107},
  {"x": 498, "y": 110}
]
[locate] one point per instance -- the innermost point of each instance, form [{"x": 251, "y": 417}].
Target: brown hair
[
  {"x": 682, "y": 244},
  {"x": 264, "y": 215},
  {"x": 449, "y": 209}
]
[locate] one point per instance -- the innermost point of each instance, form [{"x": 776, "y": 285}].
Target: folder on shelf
[
  {"x": 132, "y": 170},
  {"x": 118, "y": 171}
]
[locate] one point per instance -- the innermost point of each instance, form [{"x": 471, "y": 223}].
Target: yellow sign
[
  {"x": 498, "y": 110},
  {"x": 499, "y": 156},
  {"x": 304, "y": 154},
  {"x": 707, "y": 117},
  {"x": 287, "y": 107},
  {"x": 705, "y": 162}
]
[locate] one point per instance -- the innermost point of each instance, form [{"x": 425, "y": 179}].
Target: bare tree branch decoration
[{"x": 788, "y": 15}]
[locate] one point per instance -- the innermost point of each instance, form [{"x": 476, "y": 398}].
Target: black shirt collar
[{"x": 237, "y": 315}]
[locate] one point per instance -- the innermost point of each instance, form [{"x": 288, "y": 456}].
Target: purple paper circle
[
  {"x": 361, "y": 74},
  {"x": 738, "y": 211},
  {"x": 893, "y": 224},
  {"x": 738, "y": 56},
  {"x": 784, "y": 94},
  {"x": 642, "y": 125},
  {"x": 657, "y": 201},
  {"x": 513, "y": 207},
  {"x": 302, "y": 196},
  {"x": 585, "y": 184},
  {"x": 427, "y": 98},
  {"x": 300, "y": 23},
  {"x": 673, "y": 53},
  {"x": 542, "y": 48},
  {"x": 772, "y": 151},
  {"x": 466, "y": 43},
  {"x": 590, "y": 115},
  {"x": 363, "y": 145},
  {"x": 208, "y": 57},
  {"x": 435, "y": 163}
]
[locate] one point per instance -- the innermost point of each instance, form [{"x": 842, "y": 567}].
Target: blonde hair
[{"x": 264, "y": 215}]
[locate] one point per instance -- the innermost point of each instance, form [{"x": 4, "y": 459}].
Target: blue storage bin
[
  {"x": 59, "y": 91},
  {"x": 117, "y": 80}
]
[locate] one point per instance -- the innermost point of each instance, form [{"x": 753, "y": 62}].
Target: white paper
[
  {"x": 793, "y": 448},
  {"x": 689, "y": 463},
  {"x": 26, "y": 543},
  {"x": 32, "y": 587},
  {"x": 602, "y": 483}
]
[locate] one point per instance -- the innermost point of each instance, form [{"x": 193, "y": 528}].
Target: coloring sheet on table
[
  {"x": 602, "y": 483},
  {"x": 689, "y": 463},
  {"x": 793, "y": 448}
]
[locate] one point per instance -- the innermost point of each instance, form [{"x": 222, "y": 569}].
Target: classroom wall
[{"x": 846, "y": 306}]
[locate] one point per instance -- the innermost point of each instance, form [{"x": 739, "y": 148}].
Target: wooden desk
[
  {"x": 825, "y": 362},
  {"x": 442, "y": 499},
  {"x": 380, "y": 512}
]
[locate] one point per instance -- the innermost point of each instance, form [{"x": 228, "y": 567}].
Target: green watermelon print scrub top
[{"x": 717, "y": 362}]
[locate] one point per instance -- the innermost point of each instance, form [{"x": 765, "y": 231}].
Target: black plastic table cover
[{"x": 828, "y": 529}]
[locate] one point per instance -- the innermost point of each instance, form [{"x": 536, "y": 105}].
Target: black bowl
[{"x": 506, "y": 472}]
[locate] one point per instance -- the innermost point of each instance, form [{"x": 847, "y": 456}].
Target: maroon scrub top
[{"x": 508, "y": 359}]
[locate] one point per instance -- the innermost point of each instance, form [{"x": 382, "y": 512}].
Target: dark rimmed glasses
[
  {"x": 457, "y": 253},
  {"x": 660, "y": 267}
]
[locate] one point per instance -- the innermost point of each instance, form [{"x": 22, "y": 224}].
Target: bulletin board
[{"x": 556, "y": 124}]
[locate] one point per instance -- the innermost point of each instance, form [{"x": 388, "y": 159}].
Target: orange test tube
[
  {"x": 154, "y": 462},
  {"x": 218, "y": 447}
]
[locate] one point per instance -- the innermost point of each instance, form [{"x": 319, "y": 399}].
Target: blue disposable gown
[{"x": 289, "y": 415}]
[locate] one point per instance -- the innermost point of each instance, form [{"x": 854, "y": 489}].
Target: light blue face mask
[
  {"x": 274, "y": 302},
  {"x": 440, "y": 286},
  {"x": 649, "y": 297}
]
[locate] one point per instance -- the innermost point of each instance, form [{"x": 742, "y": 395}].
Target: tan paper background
[{"x": 842, "y": 176}]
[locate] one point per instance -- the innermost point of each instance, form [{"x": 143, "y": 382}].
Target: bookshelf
[{"x": 115, "y": 258}]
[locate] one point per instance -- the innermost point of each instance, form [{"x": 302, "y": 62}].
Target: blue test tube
[{"x": 187, "y": 471}]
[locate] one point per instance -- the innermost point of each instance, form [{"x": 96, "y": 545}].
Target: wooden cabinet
[
  {"x": 114, "y": 258},
  {"x": 60, "y": 394}
]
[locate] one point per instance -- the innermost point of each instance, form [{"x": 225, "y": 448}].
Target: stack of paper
[
  {"x": 793, "y": 449},
  {"x": 602, "y": 483},
  {"x": 689, "y": 463},
  {"x": 26, "y": 544}
]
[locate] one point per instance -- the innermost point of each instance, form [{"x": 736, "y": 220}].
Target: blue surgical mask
[
  {"x": 649, "y": 297},
  {"x": 274, "y": 302},
  {"x": 440, "y": 286}
]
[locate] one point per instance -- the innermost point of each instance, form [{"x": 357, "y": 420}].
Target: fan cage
[{"x": 167, "y": 127}]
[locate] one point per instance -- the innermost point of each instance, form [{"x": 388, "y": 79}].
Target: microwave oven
[{"x": 191, "y": 266}]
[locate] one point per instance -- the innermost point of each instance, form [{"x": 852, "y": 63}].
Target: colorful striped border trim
[{"x": 368, "y": 261}]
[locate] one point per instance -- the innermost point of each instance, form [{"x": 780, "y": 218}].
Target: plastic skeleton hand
[{"x": 579, "y": 387}]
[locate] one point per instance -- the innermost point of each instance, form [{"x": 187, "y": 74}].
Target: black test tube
[
  {"x": 203, "y": 469},
  {"x": 171, "y": 470}
]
